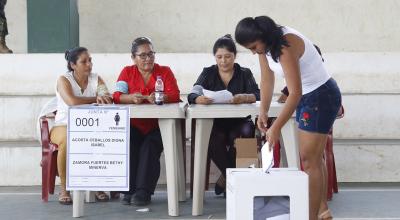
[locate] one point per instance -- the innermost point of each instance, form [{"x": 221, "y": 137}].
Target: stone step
[
  {"x": 362, "y": 116},
  {"x": 367, "y": 160},
  {"x": 363, "y": 72},
  {"x": 356, "y": 161}
]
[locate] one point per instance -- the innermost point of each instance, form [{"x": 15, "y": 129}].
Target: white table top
[
  {"x": 230, "y": 110},
  {"x": 170, "y": 110}
]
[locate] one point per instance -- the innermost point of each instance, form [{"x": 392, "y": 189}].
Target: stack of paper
[{"x": 222, "y": 96}]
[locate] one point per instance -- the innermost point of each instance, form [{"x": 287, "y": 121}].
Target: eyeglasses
[{"x": 143, "y": 56}]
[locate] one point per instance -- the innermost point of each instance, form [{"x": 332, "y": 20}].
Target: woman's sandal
[
  {"x": 102, "y": 196},
  {"x": 64, "y": 198},
  {"x": 325, "y": 215}
]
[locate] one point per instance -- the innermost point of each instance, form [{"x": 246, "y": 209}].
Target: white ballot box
[{"x": 243, "y": 185}]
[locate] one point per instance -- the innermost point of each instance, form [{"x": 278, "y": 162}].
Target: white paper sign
[
  {"x": 98, "y": 148},
  {"x": 222, "y": 96}
]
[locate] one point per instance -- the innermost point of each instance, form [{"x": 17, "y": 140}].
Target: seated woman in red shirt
[{"x": 135, "y": 85}]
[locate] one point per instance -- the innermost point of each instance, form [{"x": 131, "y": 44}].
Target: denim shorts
[{"x": 317, "y": 110}]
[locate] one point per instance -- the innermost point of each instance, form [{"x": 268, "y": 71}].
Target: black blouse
[{"x": 242, "y": 82}]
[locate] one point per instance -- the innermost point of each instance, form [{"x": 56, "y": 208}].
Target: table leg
[
  {"x": 168, "y": 134},
  {"x": 90, "y": 196},
  {"x": 203, "y": 131},
  {"x": 181, "y": 161},
  {"x": 290, "y": 143},
  {"x": 77, "y": 205}
]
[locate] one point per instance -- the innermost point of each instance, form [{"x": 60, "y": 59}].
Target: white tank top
[
  {"x": 312, "y": 69},
  {"x": 90, "y": 91}
]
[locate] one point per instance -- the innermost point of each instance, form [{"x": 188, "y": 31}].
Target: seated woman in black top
[{"x": 226, "y": 74}]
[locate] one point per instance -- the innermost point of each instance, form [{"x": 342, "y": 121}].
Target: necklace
[{"x": 78, "y": 82}]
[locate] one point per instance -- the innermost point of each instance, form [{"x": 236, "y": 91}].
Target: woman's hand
[
  {"x": 203, "y": 100},
  {"x": 137, "y": 98},
  {"x": 152, "y": 98},
  {"x": 262, "y": 122},
  {"x": 272, "y": 136},
  {"x": 104, "y": 99},
  {"x": 239, "y": 98}
]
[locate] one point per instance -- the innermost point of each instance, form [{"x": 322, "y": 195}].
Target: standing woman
[
  {"x": 312, "y": 93},
  {"x": 76, "y": 87}
]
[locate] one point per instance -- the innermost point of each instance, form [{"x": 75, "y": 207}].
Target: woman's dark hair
[
  {"x": 72, "y": 55},
  {"x": 319, "y": 51},
  {"x": 261, "y": 28},
  {"x": 225, "y": 42},
  {"x": 138, "y": 42}
]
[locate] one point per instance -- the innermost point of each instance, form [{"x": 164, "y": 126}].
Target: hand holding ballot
[{"x": 272, "y": 135}]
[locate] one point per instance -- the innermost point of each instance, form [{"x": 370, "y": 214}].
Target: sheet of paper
[
  {"x": 222, "y": 96},
  {"x": 267, "y": 157}
]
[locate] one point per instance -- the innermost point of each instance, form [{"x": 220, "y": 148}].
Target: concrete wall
[
  {"x": 16, "y": 15},
  {"x": 193, "y": 26},
  {"x": 359, "y": 39},
  {"x": 364, "y": 78},
  {"x": 366, "y": 139}
]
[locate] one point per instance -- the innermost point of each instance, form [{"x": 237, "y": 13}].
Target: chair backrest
[
  {"x": 44, "y": 132},
  {"x": 46, "y": 118}
]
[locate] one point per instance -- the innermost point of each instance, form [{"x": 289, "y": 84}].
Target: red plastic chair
[
  {"x": 330, "y": 161},
  {"x": 331, "y": 168},
  {"x": 49, "y": 159}
]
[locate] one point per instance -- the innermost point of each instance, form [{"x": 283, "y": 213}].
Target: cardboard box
[
  {"x": 246, "y": 152},
  {"x": 243, "y": 184}
]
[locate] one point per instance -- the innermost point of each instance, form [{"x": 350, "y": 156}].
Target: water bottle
[{"x": 159, "y": 91}]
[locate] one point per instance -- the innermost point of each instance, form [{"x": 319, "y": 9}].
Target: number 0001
[{"x": 86, "y": 122}]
